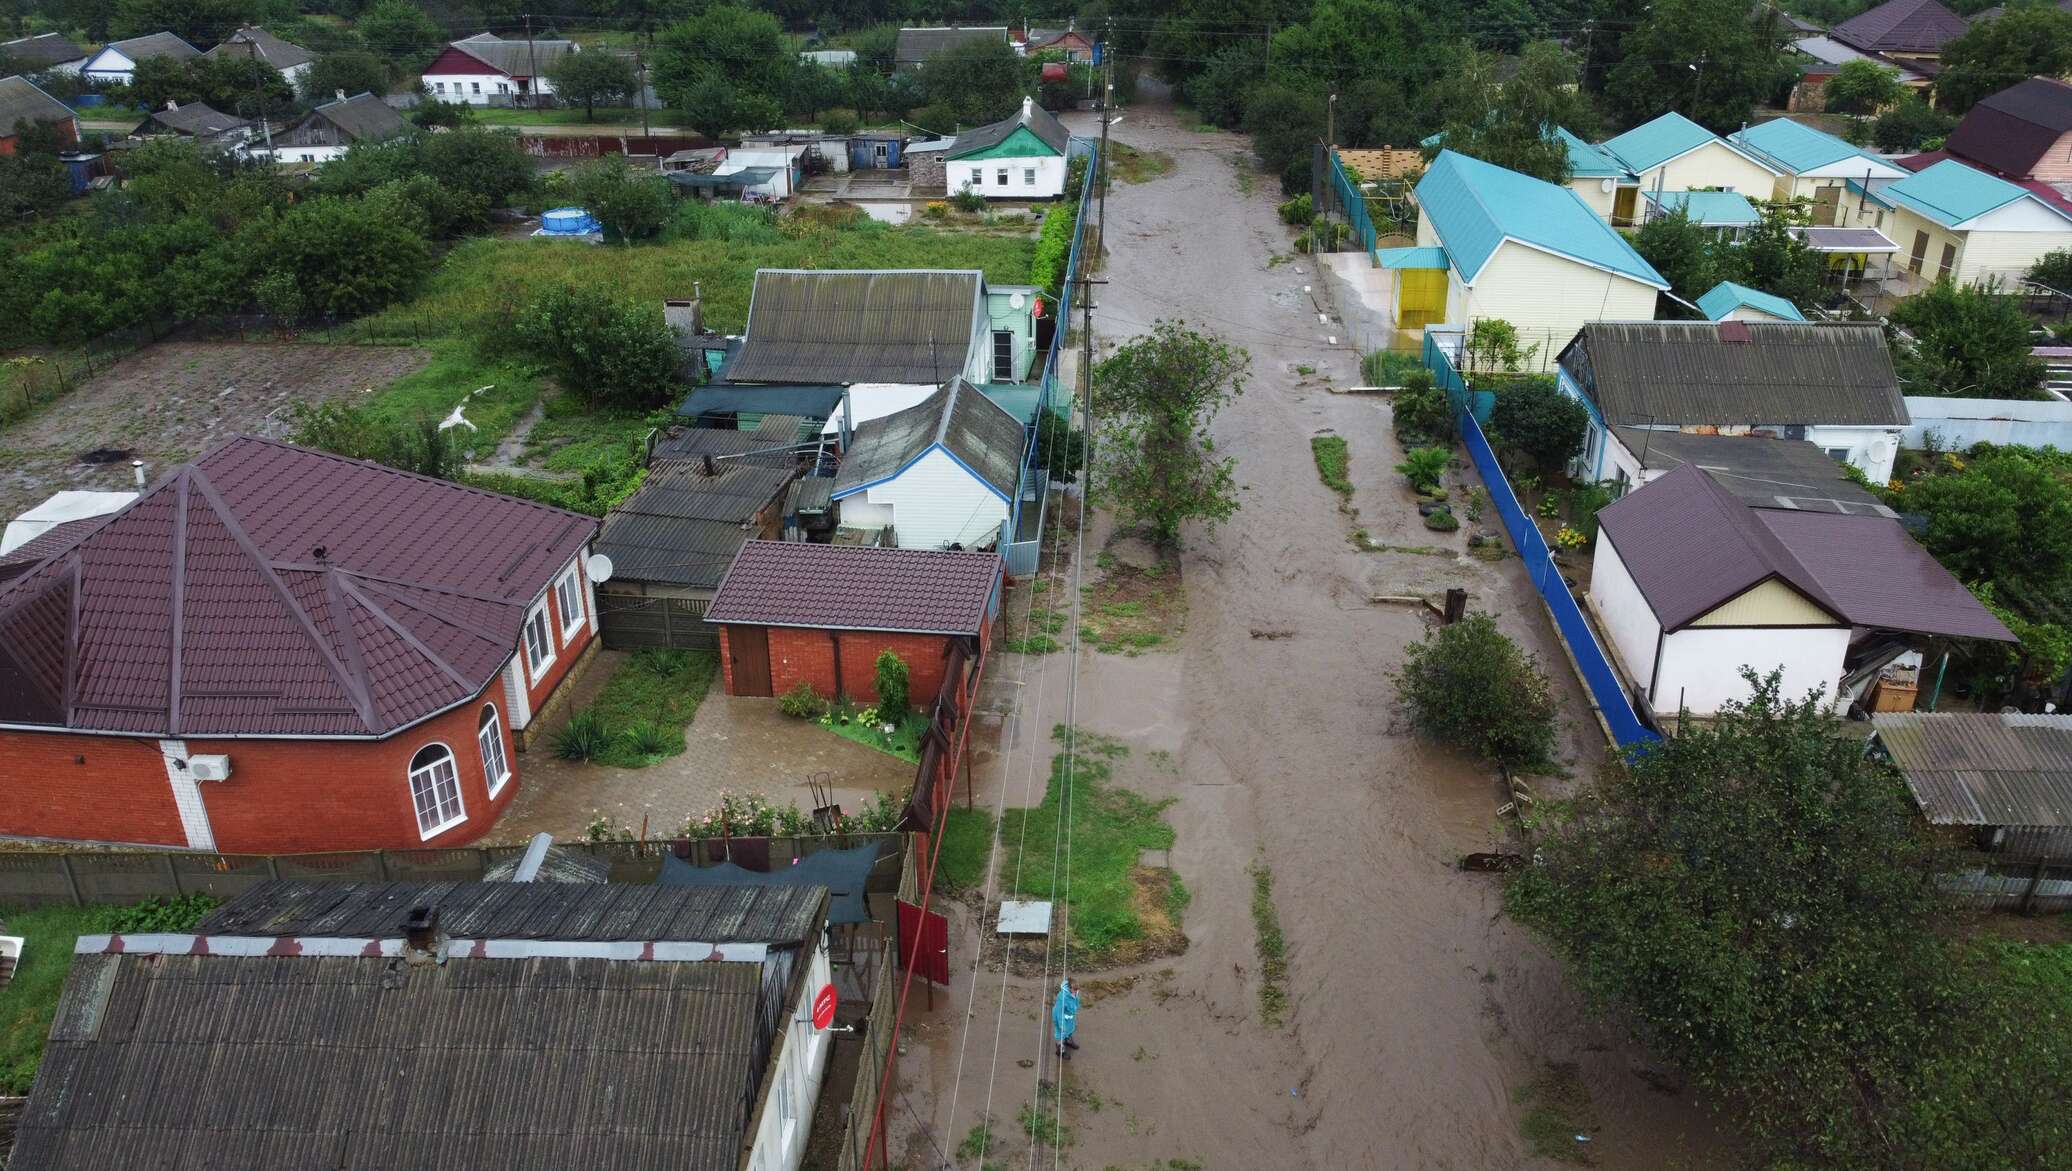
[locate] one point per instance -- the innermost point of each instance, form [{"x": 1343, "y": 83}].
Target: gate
[
  {"x": 630, "y": 622},
  {"x": 924, "y": 942}
]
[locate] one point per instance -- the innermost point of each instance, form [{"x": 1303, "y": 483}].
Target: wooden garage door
[{"x": 750, "y": 648}]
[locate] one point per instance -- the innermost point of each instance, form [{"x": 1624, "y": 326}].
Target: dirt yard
[{"x": 172, "y": 401}]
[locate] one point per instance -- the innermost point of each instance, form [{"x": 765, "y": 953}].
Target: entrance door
[
  {"x": 881, "y": 153},
  {"x": 749, "y": 647},
  {"x": 1622, "y": 206},
  {"x": 1949, "y": 260},
  {"x": 1003, "y": 355},
  {"x": 1920, "y": 252}
]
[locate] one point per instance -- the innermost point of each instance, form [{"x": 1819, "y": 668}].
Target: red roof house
[
  {"x": 275, "y": 649},
  {"x": 789, "y": 611},
  {"x": 487, "y": 70},
  {"x": 1902, "y": 28}
]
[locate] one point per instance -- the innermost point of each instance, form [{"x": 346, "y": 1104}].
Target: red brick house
[
  {"x": 275, "y": 649},
  {"x": 789, "y": 611}
]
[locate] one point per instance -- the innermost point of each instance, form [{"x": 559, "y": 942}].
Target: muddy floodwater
[{"x": 1419, "y": 1017}]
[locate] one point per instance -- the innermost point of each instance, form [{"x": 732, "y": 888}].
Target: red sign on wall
[{"x": 824, "y": 1006}]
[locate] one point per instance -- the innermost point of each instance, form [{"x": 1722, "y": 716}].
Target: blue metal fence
[{"x": 1583, "y": 647}]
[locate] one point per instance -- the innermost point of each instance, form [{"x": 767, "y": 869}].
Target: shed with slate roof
[
  {"x": 23, "y": 101},
  {"x": 196, "y": 121},
  {"x": 941, "y": 474}
]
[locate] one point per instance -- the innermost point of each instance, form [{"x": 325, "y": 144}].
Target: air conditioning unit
[{"x": 209, "y": 768}]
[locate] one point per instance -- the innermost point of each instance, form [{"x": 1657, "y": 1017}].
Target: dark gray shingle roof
[
  {"x": 683, "y": 526},
  {"x": 853, "y": 587},
  {"x": 836, "y": 326},
  {"x": 1041, "y": 122},
  {"x": 1695, "y": 374},
  {"x": 362, "y": 118},
  {"x": 916, "y": 45},
  {"x": 21, "y": 101},
  {"x": 518, "y": 58},
  {"x": 975, "y": 429},
  {"x": 282, "y": 55},
  {"x": 195, "y": 119},
  {"x": 152, "y": 45},
  {"x": 41, "y": 51}
]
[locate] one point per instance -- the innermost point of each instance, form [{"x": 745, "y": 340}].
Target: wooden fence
[{"x": 1998, "y": 883}]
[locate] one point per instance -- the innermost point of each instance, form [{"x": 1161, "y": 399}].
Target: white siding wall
[
  {"x": 476, "y": 89},
  {"x": 787, "y": 1118},
  {"x": 1549, "y": 298},
  {"x": 935, "y": 503},
  {"x": 1871, "y": 449},
  {"x": 1713, "y": 165},
  {"x": 1623, "y": 613},
  {"x": 1701, "y": 666},
  {"x": 108, "y": 67},
  {"x": 2006, "y": 242},
  {"x": 983, "y": 176}
]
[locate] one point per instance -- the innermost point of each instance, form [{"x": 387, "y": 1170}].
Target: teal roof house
[
  {"x": 1727, "y": 301},
  {"x": 1954, "y": 221},
  {"x": 1811, "y": 164}
]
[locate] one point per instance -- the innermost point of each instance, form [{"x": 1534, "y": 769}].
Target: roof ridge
[
  {"x": 246, "y": 437},
  {"x": 345, "y": 584}
]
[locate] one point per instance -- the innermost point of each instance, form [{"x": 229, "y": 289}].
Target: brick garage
[{"x": 788, "y": 612}]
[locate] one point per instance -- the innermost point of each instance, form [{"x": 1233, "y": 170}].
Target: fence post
[
  {"x": 71, "y": 879},
  {"x": 172, "y": 874},
  {"x": 2035, "y": 880},
  {"x": 381, "y": 864},
  {"x": 273, "y": 867}
]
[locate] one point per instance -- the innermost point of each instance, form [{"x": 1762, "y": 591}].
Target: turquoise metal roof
[
  {"x": 1412, "y": 257},
  {"x": 1651, "y": 144},
  {"x": 1796, "y": 147},
  {"x": 1474, "y": 206},
  {"x": 1951, "y": 193},
  {"x": 1588, "y": 160},
  {"x": 1726, "y": 296},
  {"x": 1709, "y": 209}
]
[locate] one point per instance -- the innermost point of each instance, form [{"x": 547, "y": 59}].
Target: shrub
[
  {"x": 801, "y": 702},
  {"x": 647, "y": 738},
  {"x": 1053, "y": 249},
  {"x": 967, "y": 199},
  {"x": 157, "y": 915},
  {"x": 1298, "y": 211},
  {"x": 1441, "y": 520},
  {"x": 1469, "y": 686},
  {"x": 1423, "y": 467},
  {"x": 1534, "y": 418},
  {"x": 1420, "y": 408},
  {"x": 840, "y": 121},
  {"x": 893, "y": 682},
  {"x": 585, "y": 738},
  {"x": 612, "y": 352}
]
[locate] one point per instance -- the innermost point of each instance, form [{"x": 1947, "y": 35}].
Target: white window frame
[
  {"x": 438, "y": 87},
  {"x": 572, "y": 581},
  {"x": 1000, "y": 173},
  {"x": 475, "y": 86},
  {"x": 428, "y": 776},
  {"x": 489, "y": 738},
  {"x": 1028, "y": 176},
  {"x": 536, "y": 663}
]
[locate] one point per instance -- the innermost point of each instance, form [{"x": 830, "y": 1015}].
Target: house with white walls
[
  {"x": 257, "y": 44},
  {"x": 116, "y": 63},
  {"x": 1957, "y": 222},
  {"x": 1021, "y": 156},
  {"x": 941, "y": 474},
  {"x": 1811, "y": 164},
  {"x": 488, "y": 70}
]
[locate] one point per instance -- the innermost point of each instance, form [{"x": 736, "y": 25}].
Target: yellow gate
[{"x": 1420, "y": 297}]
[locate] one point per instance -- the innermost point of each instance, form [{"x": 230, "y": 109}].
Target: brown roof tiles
[{"x": 853, "y": 587}]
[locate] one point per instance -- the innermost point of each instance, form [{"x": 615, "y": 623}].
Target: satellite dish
[
  {"x": 1016, "y": 301},
  {"x": 1606, "y": 186},
  {"x": 599, "y": 567}
]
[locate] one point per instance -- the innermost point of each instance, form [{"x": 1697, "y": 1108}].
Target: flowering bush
[
  {"x": 752, "y": 816},
  {"x": 1570, "y": 538}
]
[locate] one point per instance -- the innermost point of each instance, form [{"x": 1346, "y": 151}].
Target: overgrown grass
[
  {"x": 967, "y": 845},
  {"x": 1557, "y": 1110},
  {"x": 1040, "y": 1121},
  {"x": 483, "y": 281},
  {"x": 48, "y": 934},
  {"x": 1127, "y": 164},
  {"x": 1333, "y": 462},
  {"x": 570, "y": 436},
  {"x": 458, "y": 372},
  {"x": 1109, "y": 826},
  {"x": 1039, "y": 633},
  {"x": 653, "y": 689},
  {"x": 1273, "y": 948},
  {"x": 977, "y": 1141},
  {"x": 1387, "y": 367}
]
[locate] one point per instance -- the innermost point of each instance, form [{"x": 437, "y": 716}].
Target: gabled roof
[
  {"x": 1040, "y": 122},
  {"x": 1586, "y": 160},
  {"x": 514, "y": 58},
  {"x": 150, "y": 45},
  {"x": 255, "y": 41},
  {"x": 855, "y": 587},
  {"x": 195, "y": 119},
  {"x": 1726, "y": 296},
  {"x": 272, "y": 590},
  {"x": 361, "y": 118},
  {"x": 916, "y": 45},
  {"x": 1475, "y": 206},
  {"x": 684, "y": 523},
  {"x": 1698, "y": 373},
  {"x": 1797, "y": 148},
  {"x": 859, "y": 325},
  {"x": 1953, "y": 194},
  {"x": 2014, "y": 128},
  {"x": 41, "y": 51},
  {"x": 1653, "y": 143},
  {"x": 1901, "y": 26},
  {"x": 1881, "y": 575},
  {"x": 22, "y": 101},
  {"x": 976, "y": 431},
  {"x": 1709, "y": 209},
  {"x": 1983, "y": 768}
]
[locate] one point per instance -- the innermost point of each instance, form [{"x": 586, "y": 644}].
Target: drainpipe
[{"x": 835, "y": 640}]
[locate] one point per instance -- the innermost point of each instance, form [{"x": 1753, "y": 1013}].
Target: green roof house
[{"x": 1019, "y": 157}]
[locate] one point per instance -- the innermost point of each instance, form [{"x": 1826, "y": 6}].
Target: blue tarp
[{"x": 842, "y": 872}]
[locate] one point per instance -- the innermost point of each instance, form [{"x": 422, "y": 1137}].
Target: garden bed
[
  {"x": 864, "y": 728},
  {"x": 1133, "y": 607}
]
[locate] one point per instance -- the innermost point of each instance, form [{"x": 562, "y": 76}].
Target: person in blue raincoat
[{"x": 1064, "y": 1018}]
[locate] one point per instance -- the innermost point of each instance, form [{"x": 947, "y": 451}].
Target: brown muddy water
[{"x": 1418, "y": 1014}]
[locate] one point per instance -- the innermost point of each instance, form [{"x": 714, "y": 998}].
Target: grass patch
[
  {"x": 653, "y": 690},
  {"x": 1557, "y": 1110},
  {"x": 1132, "y": 608},
  {"x": 48, "y": 933},
  {"x": 1333, "y": 461},
  {"x": 1273, "y": 948},
  {"x": 1039, "y": 634},
  {"x": 456, "y": 373},
  {"x": 1120, "y": 912},
  {"x": 977, "y": 1141},
  {"x": 1388, "y": 367},
  {"x": 570, "y": 437},
  {"x": 1040, "y": 1121},
  {"x": 967, "y": 845},
  {"x": 904, "y": 742},
  {"x": 1130, "y": 165}
]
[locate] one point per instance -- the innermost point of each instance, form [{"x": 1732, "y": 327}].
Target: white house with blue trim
[
  {"x": 941, "y": 474},
  {"x": 1954, "y": 221}
]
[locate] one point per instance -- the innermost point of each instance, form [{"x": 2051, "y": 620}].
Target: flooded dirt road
[{"x": 1419, "y": 1018}]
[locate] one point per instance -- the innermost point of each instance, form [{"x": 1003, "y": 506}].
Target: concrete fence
[{"x": 1957, "y": 423}]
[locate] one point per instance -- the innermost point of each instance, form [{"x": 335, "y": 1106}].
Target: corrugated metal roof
[
  {"x": 1798, "y": 148},
  {"x": 1655, "y": 142},
  {"x": 1040, "y": 122},
  {"x": 1587, "y": 160},
  {"x": 1976, "y": 768},
  {"x": 1474, "y": 206},
  {"x": 195, "y": 119},
  {"x": 150, "y": 45},
  {"x": 268, "y": 589},
  {"x": 1726, "y": 296},
  {"x": 852, "y": 587},
  {"x": 915, "y": 46},
  {"x": 840, "y": 326},
  {"x": 361, "y": 118},
  {"x": 1865, "y": 240},
  {"x": 684, "y": 526},
  {"x": 772, "y": 435},
  {"x": 22, "y": 101},
  {"x": 1762, "y": 473},
  {"x": 248, "y": 42},
  {"x": 1412, "y": 257},
  {"x": 979, "y": 432},
  {"x": 40, "y": 52},
  {"x": 515, "y": 58},
  {"x": 811, "y": 494},
  {"x": 1901, "y": 26},
  {"x": 1689, "y": 373},
  {"x": 1709, "y": 209},
  {"x": 1951, "y": 193},
  {"x": 1882, "y": 577}
]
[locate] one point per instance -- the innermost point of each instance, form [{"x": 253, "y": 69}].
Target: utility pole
[
  {"x": 640, "y": 66},
  {"x": 532, "y": 64},
  {"x": 259, "y": 101}
]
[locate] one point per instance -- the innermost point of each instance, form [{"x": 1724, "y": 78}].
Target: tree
[
  {"x": 1970, "y": 341},
  {"x": 349, "y": 71},
  {"x": 1158, "y": 395},
  {"x": 1534, "y": 417},
  {"x": 201, "y": 23},
  {"x": 2004, "y": 520},
  {"x": 726, "y": 56},
  {"x": 613, "y": 353},
  {"x": 1994, "y": 54},
  {"x": 1757, "y": 898},
  {"x": 1911, "y": 125},
  {"x": 593, "y": 76},
  {"x": 1711, "y": 60},
  {"x": 433, "y": 210},
  {"x": 488, "y": 163},
  {"x": 1510, "y": 122},
  {"x": 631, "y": 205},
  {"x": 1218, "y": 92},
  {"x": 401, "y": 32},
  {"x": 1060, "y": 447},
  {"x": 2053, "y": 270},
  {"x": 1686, "y": 255},
  {"x": 1470, "y": 687},
  {"x": 981, "y": 80},
  {"x": 892, "y": 682},
  {"x": 1776, "y": 259},
  {"x": 1863, "y": 86},
  {"x": 1492, "y": 347},
  {"x": 32, "y": 180},
  {"x": 347, "y": 256}
]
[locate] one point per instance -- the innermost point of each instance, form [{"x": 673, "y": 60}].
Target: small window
[
  {"x": 489, "y": 734},
  {"x": 438, "y": 87},
  {"x": 1838, "y": 454},
  {"x": 568, "y": 595},
  {"x": 477, "y": 86},
  {"x": 1001, "y": 175},
  {"x": 539, "y": 644},
  {"x": 435, "y": 790},
  {"x": 1028, "y": 176}
]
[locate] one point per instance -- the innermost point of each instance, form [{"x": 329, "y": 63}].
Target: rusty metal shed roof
[
  {"x": 269, "y": 589},
  {"x": 1737, "y": 373},
  {"x": 859, "y": 325},
  {"x": 855, "y": 587},
  {"x": 1978, "y": 768}
]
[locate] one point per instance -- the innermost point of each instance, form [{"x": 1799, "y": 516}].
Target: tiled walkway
[{"x": 742, "y": 745}]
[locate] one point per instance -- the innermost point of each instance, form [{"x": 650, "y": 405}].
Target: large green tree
[
  {"x": 632, "y": 205},
  {"x": 349, "y": 71},
  {"x": 1910, "y": 125},
  {"x": 1711, "y": 60},
  {"x": 401, "y": 32},
  {"x": 1158, "y": 464},
  {"x": 1509, "y": 121},
  {"x": 1993, "y": 54},
  {"x": 614, "y": 353},
  {"x": 592, "y": 77},
  {"x": 347, "y": 257},
  {"x": 1471, "y": 687},
  {"x": 1689, "y": 257},
  {"x": 2004, "y": 520},
  {"x": 1969, "y": 341},
  {"x": 978, "y": 81},
  {"x": 1862, "y": 86},
  {"x": 728, "y": 46},
  {"x": 202, "y": 23}
]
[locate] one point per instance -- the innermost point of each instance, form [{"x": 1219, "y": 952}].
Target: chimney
[
  {"x": 1028, "y": 105},
  {"x": 711, "y": 468},
  {"x": 340, "y": 93},
  {"x": 170, "y": 104},
  {"x": 1733, "y": 332},
  {"x": 423, "y": 942},
  {"x": 137, "y": 470}
]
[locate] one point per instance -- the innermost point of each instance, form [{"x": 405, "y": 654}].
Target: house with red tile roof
[{"x": 275, "y": 649}]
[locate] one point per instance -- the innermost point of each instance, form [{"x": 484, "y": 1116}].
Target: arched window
[
  {"x": 435, "y": 790},
  {"x": 489, "y": 733}
]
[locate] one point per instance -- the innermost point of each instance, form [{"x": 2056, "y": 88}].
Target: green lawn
[
  {"x": 570, "y": 437},
  {"x": 904, "y": 742},
  {"x": 967, "y": 845},
  {"x": 653, "y": 694},
  {"x": 456, "y": 372},
  {"x": 1332, "y": 462}
]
